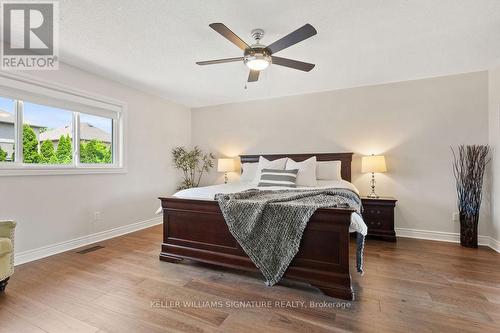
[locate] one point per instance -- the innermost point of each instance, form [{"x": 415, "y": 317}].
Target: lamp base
[{"x": 373, "y": 195}]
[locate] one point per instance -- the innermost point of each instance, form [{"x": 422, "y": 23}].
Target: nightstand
[{"x": 378, "y": 214}]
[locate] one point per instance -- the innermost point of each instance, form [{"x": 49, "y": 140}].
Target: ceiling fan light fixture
[
  {"x": 257, "y": 59},
  {"x": 257, "y": 64}
]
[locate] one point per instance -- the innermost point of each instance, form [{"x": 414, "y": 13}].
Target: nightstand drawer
[
  {"x": 377, "y": 212},
  {"x": 378, "y": 224}
]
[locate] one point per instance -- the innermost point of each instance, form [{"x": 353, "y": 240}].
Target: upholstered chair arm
[
  {"x": 7, "y": 256},
  {"x": 7, "y": 229}
]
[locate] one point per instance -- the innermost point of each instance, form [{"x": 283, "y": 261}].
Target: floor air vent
[{"x": 90, "y": 249}]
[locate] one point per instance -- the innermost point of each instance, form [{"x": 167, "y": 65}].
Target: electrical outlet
[
  {"x": 97, "y": 216},
  {"x": 455, "y": 216}
]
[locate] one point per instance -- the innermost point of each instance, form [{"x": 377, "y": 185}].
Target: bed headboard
[{"x": 344, "y": 158}]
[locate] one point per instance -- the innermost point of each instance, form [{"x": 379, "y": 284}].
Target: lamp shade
[
  {"x": 373, "y": 164},
  {"x": 225, "y": 164}
]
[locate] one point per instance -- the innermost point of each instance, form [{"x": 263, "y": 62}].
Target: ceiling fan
[{"x": 257, "y": 56}]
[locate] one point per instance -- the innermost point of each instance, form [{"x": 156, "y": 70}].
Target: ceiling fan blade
[
  {"x": 253, "y": 76},
  {"x": 219, "y": 61},
  {"x": 293, "y": 38},
  {"x": 300, "y": 65},
  {"x": 228, "y": 34}
]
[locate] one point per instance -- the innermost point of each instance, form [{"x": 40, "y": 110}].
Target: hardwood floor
[{"x": 409, "y": 286}]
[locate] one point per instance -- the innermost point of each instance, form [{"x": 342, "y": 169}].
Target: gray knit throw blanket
[{"x": 269, "y": 225}]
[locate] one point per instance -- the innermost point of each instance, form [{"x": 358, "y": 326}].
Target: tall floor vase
[
  {"x": 468, "y": 231},
  {"x": 469, "y": 164}
]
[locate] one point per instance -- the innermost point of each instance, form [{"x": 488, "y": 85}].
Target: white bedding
[{"x": 209, "y": 192}]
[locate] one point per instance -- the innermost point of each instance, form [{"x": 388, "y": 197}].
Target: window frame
[{"x": 18, "y": 168}]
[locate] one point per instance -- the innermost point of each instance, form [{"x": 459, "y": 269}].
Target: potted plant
[
  {"x": 193, "y": 164},
  {"x": 469, "y": 163}
]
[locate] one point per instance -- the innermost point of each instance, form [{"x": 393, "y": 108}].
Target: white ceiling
[{"x": 153, "y": 45}]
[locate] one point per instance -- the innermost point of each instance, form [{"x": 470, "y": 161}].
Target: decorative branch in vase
[
  {"x": 192, "y": 163},
  {"x": 469, "y": 164}
]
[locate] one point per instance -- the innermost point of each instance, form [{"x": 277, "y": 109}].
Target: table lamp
[
  {"x": 373, "y": 164},
  {"x": 225, "y": 165}
]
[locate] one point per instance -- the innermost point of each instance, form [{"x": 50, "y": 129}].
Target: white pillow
[
  {"x": 249, "y": 171},
  {"x": 307, "y": 171},
  {"x": 328, "y": 170},
  {"x": 264, "y": 163}
]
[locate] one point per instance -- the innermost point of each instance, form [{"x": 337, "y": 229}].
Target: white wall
[
  {"x": 494, "y": 130},
  {"x": 51, "y": 209},
  {"x": 413, "y": 123}
]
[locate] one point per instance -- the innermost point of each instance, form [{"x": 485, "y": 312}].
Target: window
[
  {"x": 7, "y": 131},
  {"x": 57, "y": 131},
  {"x": 96, "y": 135},
  {"x": 47, "y": 135}
]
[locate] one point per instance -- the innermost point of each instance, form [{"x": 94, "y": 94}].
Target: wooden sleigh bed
[{"x": 196, "y": 230}]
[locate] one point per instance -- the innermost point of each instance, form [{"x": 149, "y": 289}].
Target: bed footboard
[{"x": 196, "y": 230}]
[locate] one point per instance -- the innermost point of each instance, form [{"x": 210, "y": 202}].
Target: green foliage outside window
[
  {"x": 48, "y": 153},
  {"x": 30, "y": 145},
  {"x": 95, "y": 152},
  {"x": 92, "y": 152},
  {"x": 3, "y": 155},
  {"x": 63, "y": 152}
]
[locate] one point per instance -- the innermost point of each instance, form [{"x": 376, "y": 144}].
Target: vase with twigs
[{"x": 469, "y": 164}]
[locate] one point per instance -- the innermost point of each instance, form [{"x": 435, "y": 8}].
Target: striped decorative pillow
[{"x": 273, "y": 177}]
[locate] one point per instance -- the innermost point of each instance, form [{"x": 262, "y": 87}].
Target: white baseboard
[
  {"x": 49, "y": 250},
  {"x": 441, "y": 236},
  {"x": 495, "y": 245}
]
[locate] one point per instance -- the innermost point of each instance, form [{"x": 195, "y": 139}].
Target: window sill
[{"x": 53, "y": 171}]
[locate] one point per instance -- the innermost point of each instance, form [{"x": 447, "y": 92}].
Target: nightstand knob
[{"x": 375, "y": 223}]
